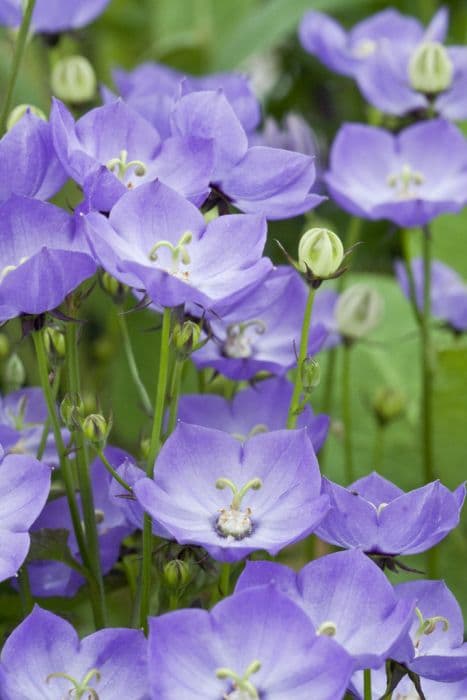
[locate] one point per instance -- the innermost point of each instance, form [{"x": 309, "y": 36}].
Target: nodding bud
[
  {"x": 4, "y": 346},
  {"x": 72, "y": 410},
  {"x": 176, "y": 573},
  {"x": 430, "y": 68},
  {"x": 310, "y": 373},
  {"x": 113, "y": 287},
  {"x": 186, "y": 337},
  {"x": 73, "y": 80},
  {"x": 96, "y": 428},
  {"x": 358, "y": 311},
  {"x": 55, "y": 343},
  {"x": 388, "y": 404},
  {"x": 14, "y": 373},
  {"x": 321, "y": 252},
  {"x": 18, "y": 113}
]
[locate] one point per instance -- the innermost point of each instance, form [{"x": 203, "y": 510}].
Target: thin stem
[
  {"x": 15, "y": 66},
  {"x": 47, "y": 424},
  {"x": 298, "y": 385},
  {"x": 367, "y": 684},
  {"x": 84, "y": 479},
  {"x": 347, "y": 413},
  {"x": 174, "y": 394},
  {"x": 133, "y": 367},
  {"x": 27, "y": 602},
  {"x": 224, "y": 580},
  {"x": 405, "y": 235},
  {"x": 154, "y": 447},
  {"x": 111, "y": 470}
]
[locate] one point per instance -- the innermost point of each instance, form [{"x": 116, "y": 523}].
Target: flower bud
[
  {"x": 18, "y": 113},
  {"x": 95, "y": 428},
  {"x": 310, "y": 372},
  {"x": 73, "y": 80},
  {"x": 321, "y": 252},
  {"x": 430, "y": 68},
  {"x": 358, "y": 311},
  {"x": 144, "y": 448},
  {"x": 176, "y": 573},
  {"x": 4, "y": 346},
  {"x": 389, "y": 404},
  {"x": 55, "y": 343},
  {"x": 186, "y": 337},
  {"x": 113, "y": 287},
  {"x": 14, "y": 373},
  {"x": 72, "y": 410}
]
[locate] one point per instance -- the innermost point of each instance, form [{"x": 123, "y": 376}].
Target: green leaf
[{"x": 52, "y": 545}]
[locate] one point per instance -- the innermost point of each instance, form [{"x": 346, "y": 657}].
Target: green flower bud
[
  {"x": 4, "y": 346},
  {"x": 176, "y": 573},
  {"x": 430, "y": 68},
  {"x": 113, "y": 287},
  {"x": 389, "y": 403},
  {"x": 55, "y": 343},
  {"x": 95, "y": 428},
  {"x": 358, "y": 311},
  {"x": 18, "y": 113},
  {"x": 186, "y": 337},
  {"x": 72, "y": 410},
  {"x": 73, "y": 80},
  {"x": 310, "y": 372},
  {"x": 144, "y": 448},
  {"x": 321, "y": 252},
  {"x": 14, "y": 373}
]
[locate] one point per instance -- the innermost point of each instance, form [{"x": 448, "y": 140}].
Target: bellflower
[
  {"x": 42, "y": 259},
  {"x": 156, "y": 241},
  {"x": 376, "y": 516},
  {"x": 232, "y": 498},
  {"x": 333, "y": 591},
  {"x": 44, "y": 658},
  {"x": 348, "y": 52},
  {"x": 257, "y": 409},
  {"x": 51, "y": 578},
  {"x": 252, "y": 645},
  {"x": 261, "y": 332},
  {"x": 112, "y": 149},
  {"x": 293, "y": 134},
  {"x": 378, "y": 175},
  {"x": 24, "y": 487},
  {"x": 268, "y": 181},
  {"x": 448, "y": 291},
  {"x": 53, "y": 16},
  {"x": 405, "y": 689},
  {"x": 28, "y": 162}
]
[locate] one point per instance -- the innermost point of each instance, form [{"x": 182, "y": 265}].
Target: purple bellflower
[
  {"x": 28, "y": 162},
  {"x": 333, "y": 591},
  {"x": 257, "y": 409},
  {"x": 261, "y": 332},
  {"x": 156, "y": 241},
  {"x": 43, "y": 257},
  {"x": 232, "y": 498},
  {"x": 377, "y": 175},
  {"x": 448, "y": 292},
  {"x": 293, "y": 134},
  {"x": 112, "y": 149},
  {"x": 53, "y": 16},
  {"x": 377, "y": 517},
  {"x": 24, "y": 487},
  {"x": 44, "y": 658},
  {"x": 255, "y": 644}
]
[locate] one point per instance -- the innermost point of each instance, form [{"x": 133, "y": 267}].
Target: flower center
[
  {"x": 120, "y": 166},
  {"x": 178, "y": 254},
  {"x": 242, "y": 687},
  {"x": 405, "y": 183},
  {"x": 232, "y": 521},
  {"x": 79, "y": 687},
  {"x": 255, "y": 430},
  {"x": 364, "y": 48},
  {"x": 238, "y": 345},
  {"x": 427, "y": 626}
]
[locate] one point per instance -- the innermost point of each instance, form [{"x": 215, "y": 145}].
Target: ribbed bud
[
  {"x": 72, "y": 410},
  {"x": 430, "y": 68},
  {"x": 55, "y": 343},
  {"x": 96, "y": 428},
  {"x": 321, "y": 252},
  {"x": 186, "y": 337},
  {"x": 389, "y": 404},
  {"x": 113, "y": 287},
  {"x": 18, "y": 113},
  {"x": 358, "y": 311},
  {"x": 73, "y": 80},
  {"x": 310, "y": 372},
  {"x": 176, "y": 573}
]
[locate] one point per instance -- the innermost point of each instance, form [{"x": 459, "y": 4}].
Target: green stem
[
  {"x": 27, "y": 602},
  {"x": 347, "y": 413},
  {"x": 154, "y": 447},
  {"x": 143, "y": 394},
  {"x": 47, "y": 424},
  {"x": 406, "y": 237},
  {"x": 294, "y": 407},
  {"x": 15, "y": 66},
  {"x": 84, "y": 478},
  {"x": 367, "y": 695},
  {"x": 111, "y": 470},
  {"x": 174, "y": 394}
]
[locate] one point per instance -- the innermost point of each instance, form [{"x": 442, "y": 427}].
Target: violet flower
[
  {"x": 376, "y": 516},
  {"x": 44, "y": 658},
  {"x": 377, "y": 175},
  {"x": 24, "y": 487},
  {"x": 448, "y": 291},
  {"x": 262, "y": 332},
  {"x": 256, "y": 644},
  {"x": 53, "y": 16},
  {"x": 293, "y": 134},
  {"x": 233, "y": 498},
  {"x": 257, "y": 409},
  {"x": 156, "y": 241},
  {"x": 333, "y": 591}
]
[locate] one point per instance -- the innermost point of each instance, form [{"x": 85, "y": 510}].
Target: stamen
[
  {"x": 237, "y": 344},
  {"x": 243, "y": 688},
  {"x": 120, "y": 166},
  {"x": 79, "y": 688},
  {"x": 404, "y": 181}
]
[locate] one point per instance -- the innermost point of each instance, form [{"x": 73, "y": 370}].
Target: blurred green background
[{"x": 259, "y": 37}]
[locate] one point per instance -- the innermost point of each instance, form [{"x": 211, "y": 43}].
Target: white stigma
[{"x": 234, "y": 523}]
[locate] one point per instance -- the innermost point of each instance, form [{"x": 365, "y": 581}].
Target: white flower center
[
  {"x": 234, "y": 523},
  {"x": 406, "y": 182}
]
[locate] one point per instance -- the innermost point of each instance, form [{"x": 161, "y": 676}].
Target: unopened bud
[
  {"x": 430, "y": 68},
  {"x": 144, "y": 448},
  {"x": 18, "y": 113},
  {"x": 358, "y": 311},
  {"x": 176, "y": 573},
  {"x": 72, "y": 410},
  {"x": 321, "y": 252},
  {"x": 186, "y": 337},
  {"x": 55, "y": 343},
  {"x": 4, "y": 346},
  {"x": 96, "y": 429},
  {"x": 73, "y": 80},
  {"x": 113, "y": 287},
  {"x": 310, "y": 372},
  {"x": 14, "y": 373},
  {"x": 388, "y": 404}
]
